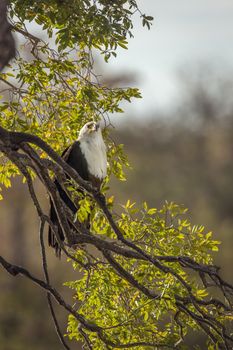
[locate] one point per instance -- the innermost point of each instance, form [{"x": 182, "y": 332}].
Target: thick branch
[
  {"x": 188, "y": 303},
  {"x": 7, "y": 43}
]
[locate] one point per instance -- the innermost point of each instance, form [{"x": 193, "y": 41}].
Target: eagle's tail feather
[{"x": 52, "y": 241}]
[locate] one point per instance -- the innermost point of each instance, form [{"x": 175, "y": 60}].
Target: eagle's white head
[
  {"x": 94, "y": 149},
  {"x": 89, "y": 131}
]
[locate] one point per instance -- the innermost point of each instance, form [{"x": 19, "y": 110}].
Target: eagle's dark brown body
[{"x": 90, "y": 146}]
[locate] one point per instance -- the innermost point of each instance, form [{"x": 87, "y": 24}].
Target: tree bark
[{"x": 7, "y": 43}]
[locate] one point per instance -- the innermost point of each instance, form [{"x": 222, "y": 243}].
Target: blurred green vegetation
[{"x": 184, "y": 156}]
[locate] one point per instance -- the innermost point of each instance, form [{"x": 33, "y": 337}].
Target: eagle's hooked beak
[{"x": 97, "y": 126}]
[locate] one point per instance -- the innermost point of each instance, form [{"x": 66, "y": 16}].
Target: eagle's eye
[{"x": 89, "y": 126}]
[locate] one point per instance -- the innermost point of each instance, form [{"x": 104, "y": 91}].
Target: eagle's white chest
[{"x": 94, "y": 151}]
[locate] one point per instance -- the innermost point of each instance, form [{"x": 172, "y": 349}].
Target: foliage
[
  {"x": 126, "y": 314},
  {"x": 141, "y": 289},
  {"x": 57, "y": 91}
]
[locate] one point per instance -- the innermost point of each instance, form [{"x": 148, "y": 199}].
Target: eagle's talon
[{"x": 102, "y": 198}]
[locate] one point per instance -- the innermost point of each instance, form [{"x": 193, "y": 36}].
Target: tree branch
[
  {"x": 187, "y": 303},
  {"x": 7, "y": 43},
  {"x": 46, "y": 274},
  {"x": 26, "y": 34},
  {"x": 16, "y": 270}
]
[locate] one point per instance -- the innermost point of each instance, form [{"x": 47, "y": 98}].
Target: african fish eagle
[{"x": 87, "y": 155}]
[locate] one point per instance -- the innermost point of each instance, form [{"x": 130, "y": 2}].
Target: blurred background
[{"x": 178, "y": 139}]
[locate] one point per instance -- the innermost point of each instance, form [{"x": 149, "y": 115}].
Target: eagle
[{"x": 88, "y": 156}]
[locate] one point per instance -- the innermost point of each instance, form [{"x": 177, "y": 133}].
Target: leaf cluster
[
  {"x": 125, "y": 313},
  {"x": 101, "y": 24},
  {"x": 148, "y": 284}
]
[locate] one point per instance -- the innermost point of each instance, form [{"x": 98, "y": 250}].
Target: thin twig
[
  {"x": 199, "y": 310},
  {"x": 46, "y": 274},
  {"x": 26, "y": 34},
  {"x": 16, "y": 270}
]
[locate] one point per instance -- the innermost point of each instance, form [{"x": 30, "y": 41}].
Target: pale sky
[{"x": 185, "y": 33}]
